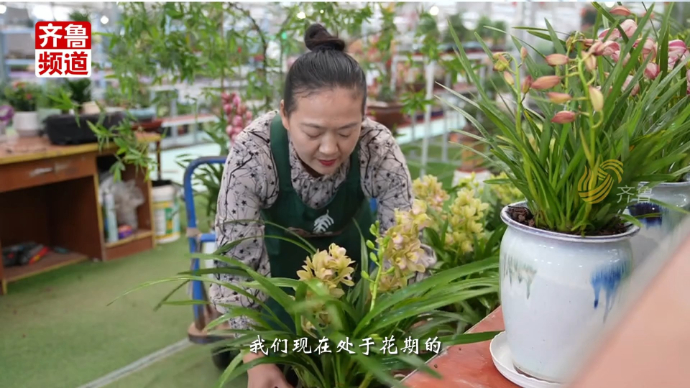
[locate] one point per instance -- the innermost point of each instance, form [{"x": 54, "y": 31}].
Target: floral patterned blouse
[{"x": 250, "y": 183}]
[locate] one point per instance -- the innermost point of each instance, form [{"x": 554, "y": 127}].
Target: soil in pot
[{"x": 525, "y": 217}]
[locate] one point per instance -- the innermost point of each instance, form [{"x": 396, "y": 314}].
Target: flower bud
[
  {"x": 523, "y": 53},
  {"x": 652, "y": 71},
  {"x": 616, "y": 57},
  {"x": 546, "y": 82},
  {"x": 615, "y": 34},
  {"x": 556, "y": 59},
  {"x": 648, "y": 49},
  {"x": 527, "y": 84},
  {"x": 590, "y": 62},
  {"x": 596, "y": 98},
  {"x": 608, "y": 48},
  {"x": 620, "y": 11},
  {"x": 676, "y": 51},
  {"x": 635, "y": 89},
  {"x": 509, "y": 78},
  {"x": 559, "y": 98},
  {"x": 629, "y": 27},
  {"x": 563, "y": 117},
  {"x": 501, "y": 62}
]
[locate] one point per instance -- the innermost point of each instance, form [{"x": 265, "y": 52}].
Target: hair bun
[{"x": 318, "y": 38}]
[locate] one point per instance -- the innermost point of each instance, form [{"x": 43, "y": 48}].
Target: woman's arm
[{"x": 242, "y": 194}]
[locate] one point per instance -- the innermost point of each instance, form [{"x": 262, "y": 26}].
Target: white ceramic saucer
[{"x": 500, "y": 352}]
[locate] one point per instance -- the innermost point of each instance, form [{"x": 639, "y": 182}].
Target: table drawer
[{"x": 45, "y": 171}]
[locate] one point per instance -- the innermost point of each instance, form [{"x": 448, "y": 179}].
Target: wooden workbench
[
  {"x": 465, "y": 366},
  {"x": 49, "y": 195}
]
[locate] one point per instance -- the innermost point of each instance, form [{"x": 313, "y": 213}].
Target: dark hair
[{"x": 325, "y": 66}]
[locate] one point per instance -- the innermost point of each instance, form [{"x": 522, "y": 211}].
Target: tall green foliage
[{"x": 600, "y": 123}]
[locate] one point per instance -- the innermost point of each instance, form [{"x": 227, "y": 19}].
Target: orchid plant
[
  {"x": 351, "y": 333},
  {"x": 464, "y": 227},
  {"x": 660, "y": 63},
  {"x": 598, "y": 124}
]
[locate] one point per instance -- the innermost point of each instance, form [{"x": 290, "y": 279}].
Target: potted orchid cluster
[
  {"x": 566, "y": 255},
  {"x": 352, "y": 331},
  {"x": 464, "y": 227}
]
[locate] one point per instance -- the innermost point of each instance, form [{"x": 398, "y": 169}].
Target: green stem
[
  {"x": 376, "y": 284},
  {"x": 367, "y": 380}
]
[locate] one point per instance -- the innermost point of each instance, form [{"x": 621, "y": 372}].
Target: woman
[{"x": 311, "y": 167}]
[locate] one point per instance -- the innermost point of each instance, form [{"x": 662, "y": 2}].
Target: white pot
[
  {"x": 665, "y": 225},
  {"x": 90, "y": 108},
  {"x": 558, "y": 293},
  {"x": 26, "y": 123}
]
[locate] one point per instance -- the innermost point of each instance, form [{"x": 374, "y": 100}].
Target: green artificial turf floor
[{"x": 58, "y": 331}]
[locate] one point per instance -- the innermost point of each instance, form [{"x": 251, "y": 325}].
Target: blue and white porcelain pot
[
  {"x": 664, "y": 222},
  {"x": 558, "y": 292}
]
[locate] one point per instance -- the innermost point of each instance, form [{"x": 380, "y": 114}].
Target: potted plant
[
  {"x": 80, "y": 93},
  {"x": 566, "y": 254},
  {"x": 23, "y": 98},
  {"x": 351, "y": 324}
]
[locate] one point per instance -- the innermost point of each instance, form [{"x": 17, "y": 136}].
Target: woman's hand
[{"x": 265, "y": 375}]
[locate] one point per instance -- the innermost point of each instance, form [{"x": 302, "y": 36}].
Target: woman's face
[{"x": 325, "y": 127}]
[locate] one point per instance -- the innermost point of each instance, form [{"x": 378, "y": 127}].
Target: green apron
[{"x": 331, "y": 224}]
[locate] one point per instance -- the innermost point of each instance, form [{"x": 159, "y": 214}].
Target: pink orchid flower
[
  {"x": 649, "y": 49},
  {"x": 629, "y": 27},
  {"x": 563, "y": 117},
  {"x": 635, "y": 89},
  {"x": 615, "y": 34},
  {"x": 616, "y": 57},
  {"x": 652, "y": 71}
]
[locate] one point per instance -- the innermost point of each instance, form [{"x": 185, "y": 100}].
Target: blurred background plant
[{"x": 22, "y": 96}]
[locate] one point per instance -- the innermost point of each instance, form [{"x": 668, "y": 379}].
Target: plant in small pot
[
  {"x": 348, "y": 319},
  {"x": 566, "y": 255},
  {"x": 23, "y": 97},
  {"x": 80, "y": 93}
]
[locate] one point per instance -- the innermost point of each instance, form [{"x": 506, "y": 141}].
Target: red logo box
[{"x": 62, "y": 36}]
